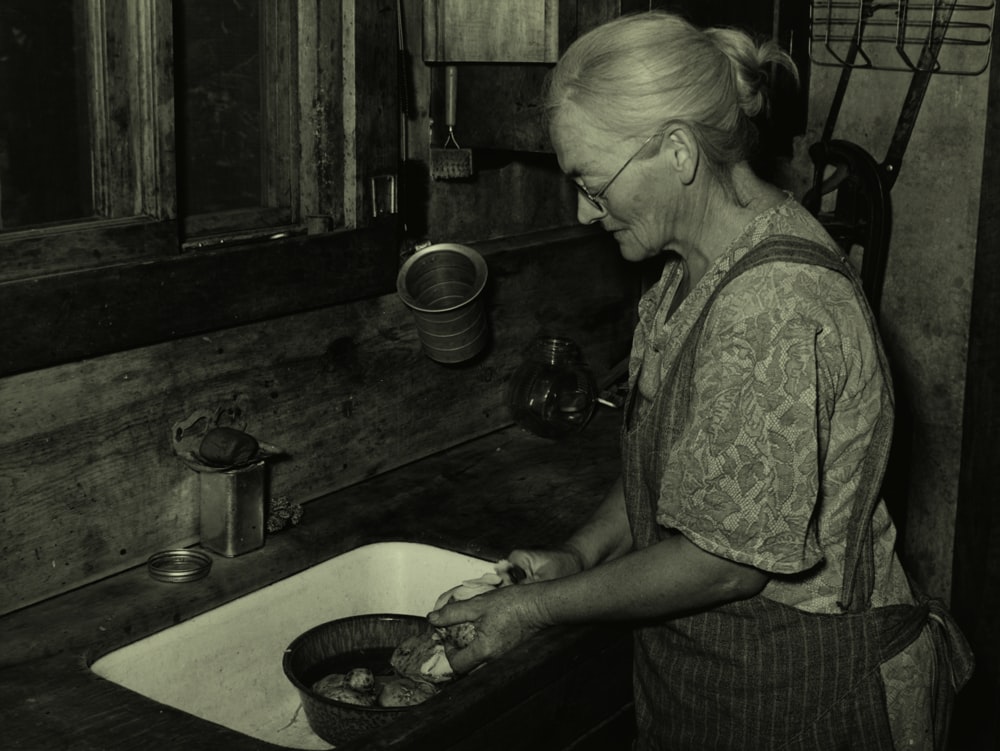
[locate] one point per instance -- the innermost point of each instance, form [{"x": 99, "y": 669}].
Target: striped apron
[{"x": 758, "y": 674}]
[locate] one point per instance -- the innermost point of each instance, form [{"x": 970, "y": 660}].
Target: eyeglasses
[{"x": 596, "y": 199}]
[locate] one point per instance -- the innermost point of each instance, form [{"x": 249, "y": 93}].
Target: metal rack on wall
[{"x": 892, "y": 34}]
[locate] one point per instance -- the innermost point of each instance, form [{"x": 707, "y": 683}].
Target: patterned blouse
[{"x": 787, "y": 387}]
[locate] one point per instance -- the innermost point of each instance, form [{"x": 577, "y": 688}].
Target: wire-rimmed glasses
[{"x": 596, "y": 199}]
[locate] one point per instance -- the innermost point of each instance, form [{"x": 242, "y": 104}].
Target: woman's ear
[{"x": 682, "y": 153}]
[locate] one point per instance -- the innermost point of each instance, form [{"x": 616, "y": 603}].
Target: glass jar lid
[{"x": 179, "y": 565}]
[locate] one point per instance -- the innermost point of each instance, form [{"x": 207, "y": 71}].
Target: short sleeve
[{"x": 743, "y": 479}]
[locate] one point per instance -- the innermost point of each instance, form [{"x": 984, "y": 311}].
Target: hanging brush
[{"x": 451, "y": 161}]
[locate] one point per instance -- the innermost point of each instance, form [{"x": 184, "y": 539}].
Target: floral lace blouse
[{"x": 787, "y": 387}]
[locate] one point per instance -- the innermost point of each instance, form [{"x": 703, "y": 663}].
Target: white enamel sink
[{"x": 225, "y": 665}]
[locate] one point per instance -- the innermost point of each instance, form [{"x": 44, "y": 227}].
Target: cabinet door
[{"x": 498, "y": 31}]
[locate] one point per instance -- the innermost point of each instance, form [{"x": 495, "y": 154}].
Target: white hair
[{"x": 636, "y": 73}]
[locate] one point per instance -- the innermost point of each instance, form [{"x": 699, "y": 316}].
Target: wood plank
[
  {"x": 33, "y": 253},
  {"x": 66, "y": 317},
  {"x": 321, "y": 103}
]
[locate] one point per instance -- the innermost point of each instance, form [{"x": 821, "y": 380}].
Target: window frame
[{"x": 82, "y": 289}]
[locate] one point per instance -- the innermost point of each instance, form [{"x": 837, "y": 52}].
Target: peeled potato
[{"x": 423, "y": 658}]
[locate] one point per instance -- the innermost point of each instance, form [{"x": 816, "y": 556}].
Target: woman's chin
[{"x": 630, "y": 249}]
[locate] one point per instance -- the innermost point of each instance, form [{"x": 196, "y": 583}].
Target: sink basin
[{"x": 225, "y": 665}]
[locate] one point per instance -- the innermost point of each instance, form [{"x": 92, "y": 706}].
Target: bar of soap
[{"x": 225, "y": 447}]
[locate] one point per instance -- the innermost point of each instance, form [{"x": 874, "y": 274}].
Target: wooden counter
[{"x": 507, "y": 489}]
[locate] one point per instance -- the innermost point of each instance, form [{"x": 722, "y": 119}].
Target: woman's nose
[{"x": 586, "y": 212}]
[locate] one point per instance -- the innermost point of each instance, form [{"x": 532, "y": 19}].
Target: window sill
[{"x": 75, "y": 315}]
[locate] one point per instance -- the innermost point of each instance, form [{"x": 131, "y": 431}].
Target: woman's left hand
[{"x": 503, "y": 619}]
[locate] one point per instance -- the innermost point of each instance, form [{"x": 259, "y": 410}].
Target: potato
[
  {"x": 423, "y": 658},
  {"x": 329, "y": 683},
  {"x": 404, "y": 692},
  {"x": 347, "y": 695},
  {"x": 361, "y": 680}
]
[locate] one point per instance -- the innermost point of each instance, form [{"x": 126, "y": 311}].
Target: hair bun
[{"x": 751, "y": 62}]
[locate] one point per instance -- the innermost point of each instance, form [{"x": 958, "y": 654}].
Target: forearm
[
  {"x": 668, "y": 578},
  {"x": 606, "y": 535}
]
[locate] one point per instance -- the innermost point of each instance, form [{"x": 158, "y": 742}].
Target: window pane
[
  {"x": 219, "y": 104},
  {"x": 45, "y": 169}
]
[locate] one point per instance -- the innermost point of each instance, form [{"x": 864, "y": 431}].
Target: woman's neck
[{"x": 721, "y": 216}]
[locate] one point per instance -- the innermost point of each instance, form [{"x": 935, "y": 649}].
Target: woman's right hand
[
  {"x": 545, "y": 565},
  {"x": 502, "y": 619}
]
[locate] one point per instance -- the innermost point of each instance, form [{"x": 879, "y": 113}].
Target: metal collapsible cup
[{"x": 442, "y": 285}]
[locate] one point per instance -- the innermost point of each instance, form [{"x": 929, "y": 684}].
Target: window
[
  {"x": 44, "y": 131},
  {"x": 88, "y": 177},
  {"x": 139, "y": 129},
  {"x": 234, "y": 79}
]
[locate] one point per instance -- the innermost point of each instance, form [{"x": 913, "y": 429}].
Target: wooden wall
[{"x": 88, "y": 480}]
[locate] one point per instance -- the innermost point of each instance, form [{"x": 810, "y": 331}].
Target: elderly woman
[{"x": 746, "y": 539}]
